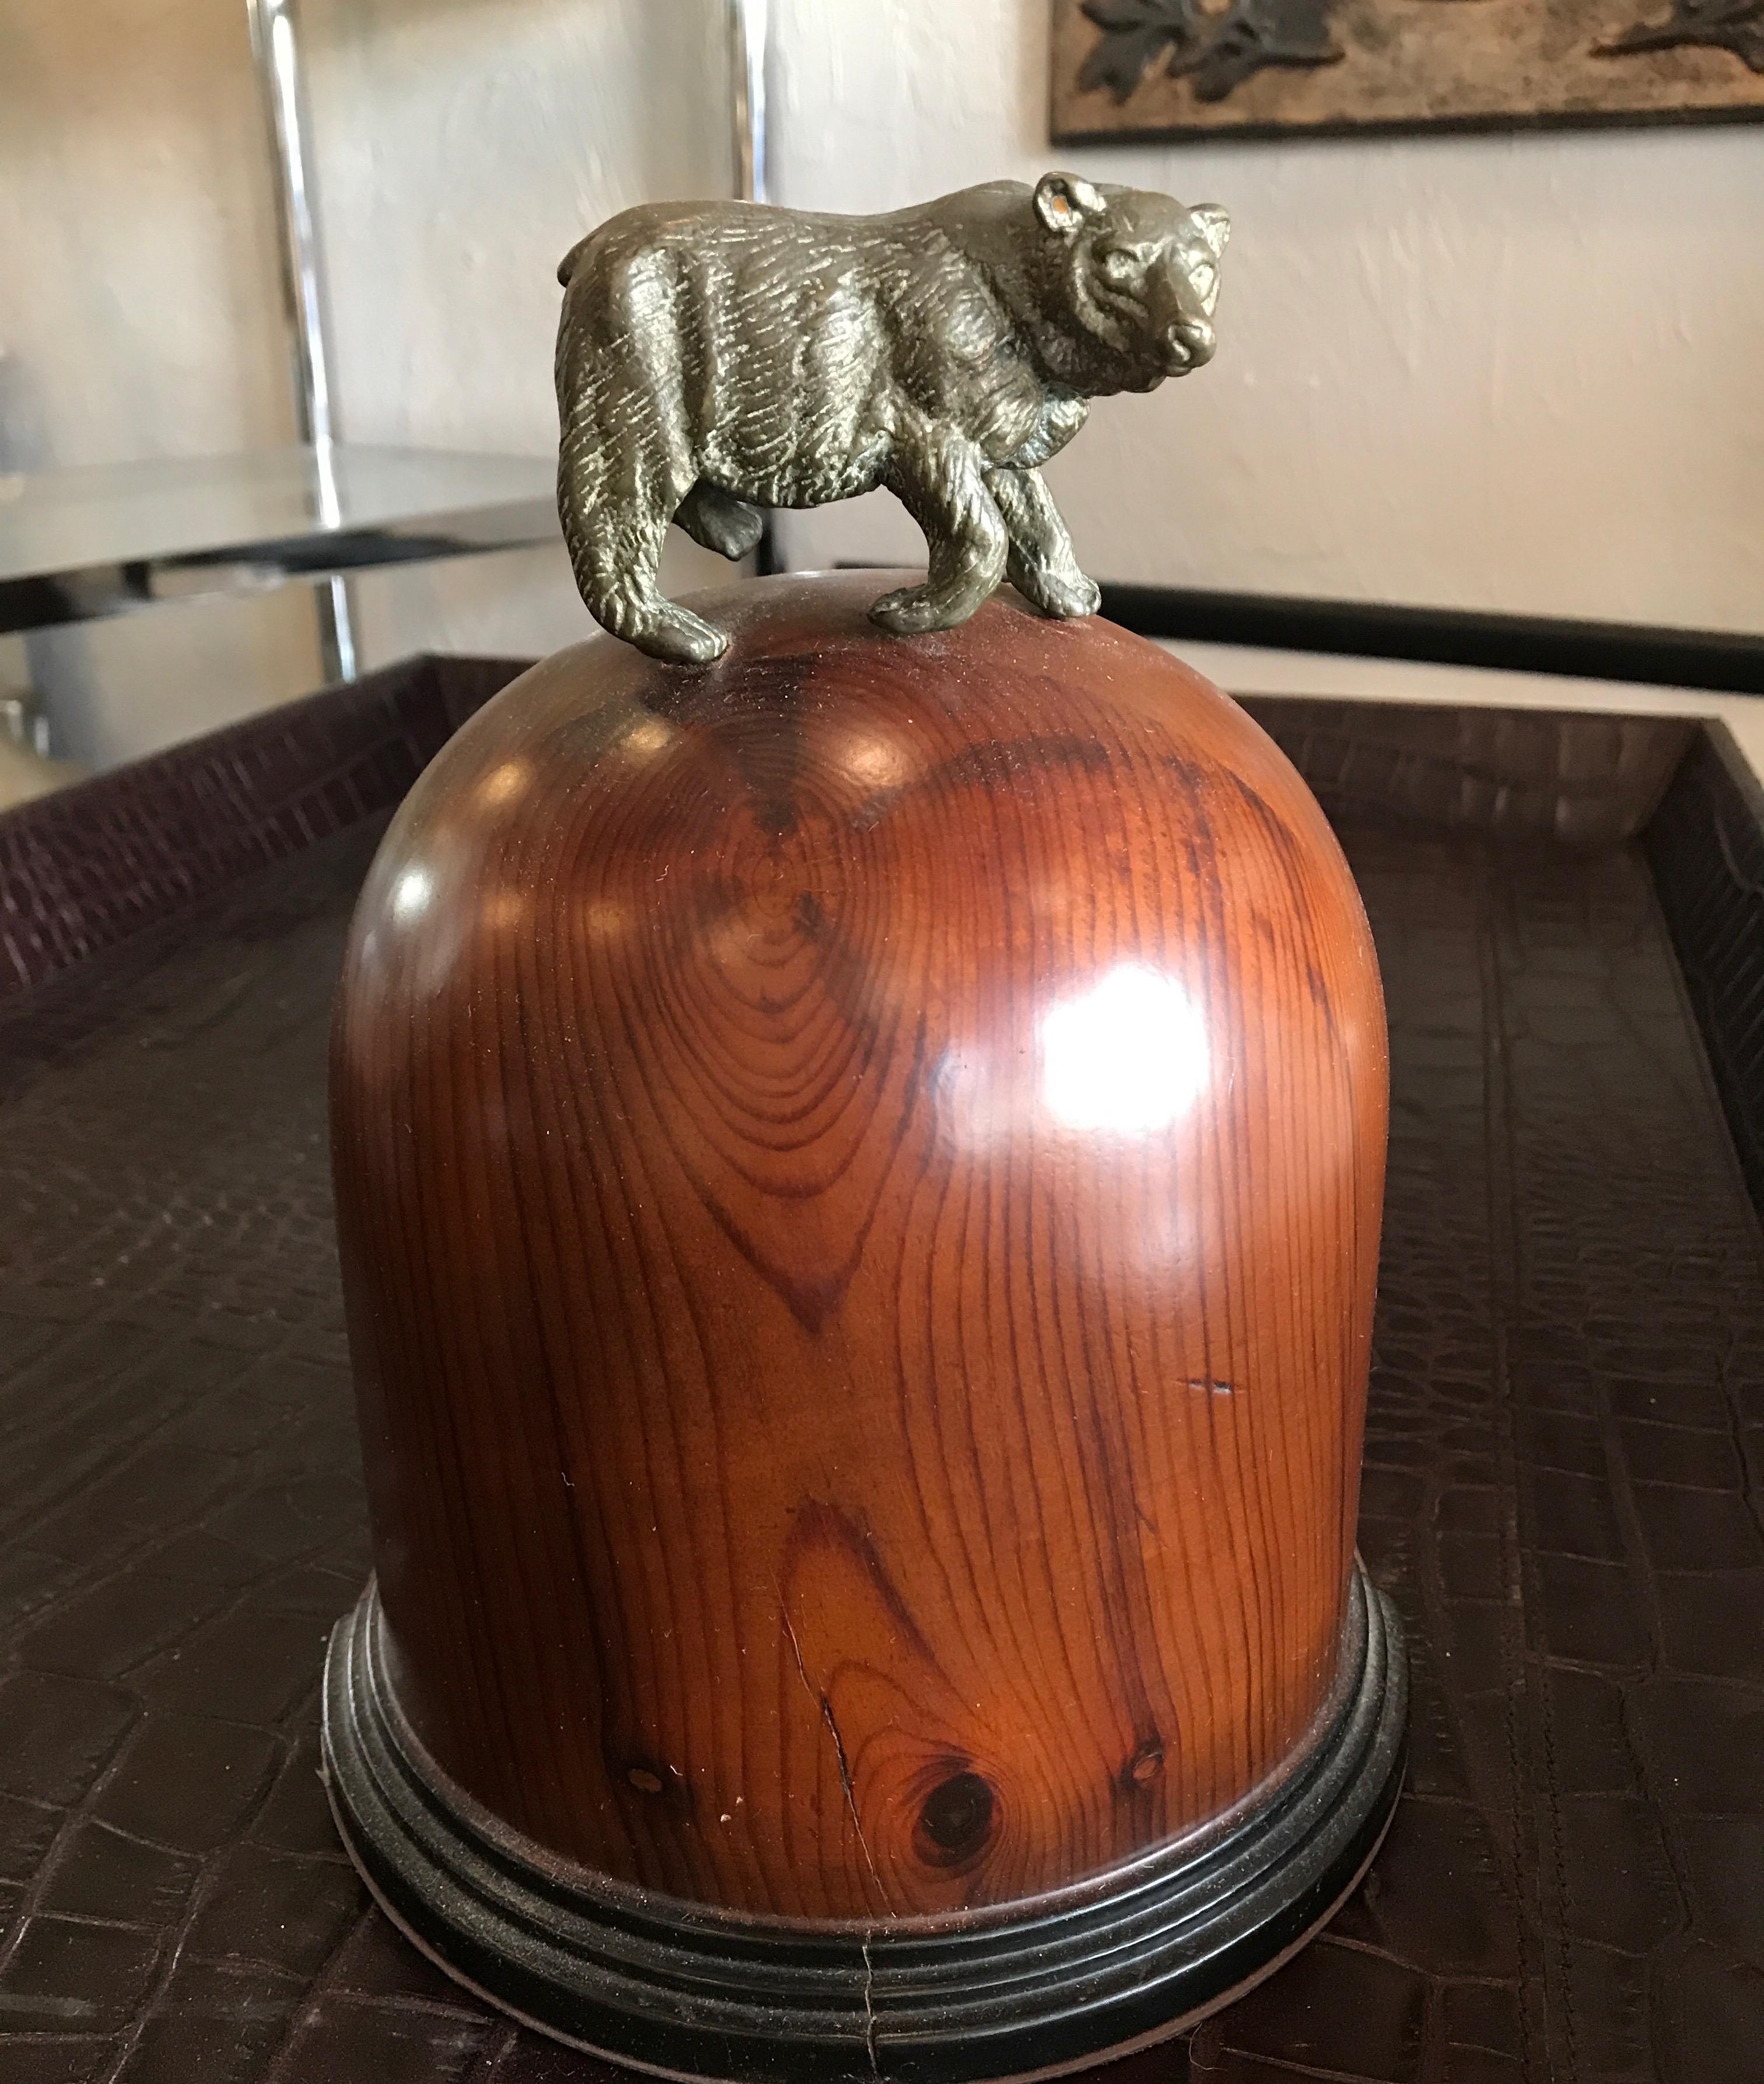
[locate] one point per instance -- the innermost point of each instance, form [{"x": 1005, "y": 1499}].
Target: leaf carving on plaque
[
  {"x": 1728, "y": 25},
  {"x": 1216, "y": 49}
]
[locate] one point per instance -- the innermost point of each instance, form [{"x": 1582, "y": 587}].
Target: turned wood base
[{"x": 1030, "y": 1990}]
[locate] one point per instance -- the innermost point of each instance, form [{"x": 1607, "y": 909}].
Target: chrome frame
[
  {"x": 748, "y": 30},
  {"x": 276, "y": 54},
  {"x": 747, "y": 37}
]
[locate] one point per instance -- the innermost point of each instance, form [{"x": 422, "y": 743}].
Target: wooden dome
[{"x": 858, "y": 1177}]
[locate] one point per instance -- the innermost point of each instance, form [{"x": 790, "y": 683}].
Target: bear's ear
[
  {"x": 1213, "y": 226},
  {"x": 1063, "y": 201}
]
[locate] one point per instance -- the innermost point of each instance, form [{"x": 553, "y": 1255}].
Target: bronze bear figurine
[{"x": 713, "y": 358}]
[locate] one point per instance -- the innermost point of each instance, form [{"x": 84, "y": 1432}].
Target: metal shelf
[{"x": 108, "y": 539}]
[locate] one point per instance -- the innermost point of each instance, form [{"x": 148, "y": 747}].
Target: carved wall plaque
[{"x": 1172, "y": 68}]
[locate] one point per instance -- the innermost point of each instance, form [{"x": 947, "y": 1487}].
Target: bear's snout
[{"x": 1188, "y": 343}]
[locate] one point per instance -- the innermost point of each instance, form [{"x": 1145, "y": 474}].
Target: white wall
[
  {"x": 1518, "y": 372},
  {"x": 1523, "y": 372}
]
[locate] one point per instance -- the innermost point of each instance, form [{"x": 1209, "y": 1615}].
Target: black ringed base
[{"x": 686, "y": 1992}]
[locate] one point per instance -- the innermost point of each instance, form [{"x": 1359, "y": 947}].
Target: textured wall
[{"x": 1506, "y": 371}]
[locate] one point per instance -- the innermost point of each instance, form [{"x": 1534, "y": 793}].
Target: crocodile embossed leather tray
[{"x": 1564, "y": 1455}]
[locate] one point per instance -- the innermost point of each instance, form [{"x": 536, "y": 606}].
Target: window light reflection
[
  {"x": 504, "y": 782},
  {"x": 648, "y": 737},
  {"x": 1126, "y": 1057},
  {"x": 411, "y": 894}
]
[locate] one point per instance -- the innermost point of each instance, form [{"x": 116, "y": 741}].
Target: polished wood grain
[{"x": 858, "y": 1181}]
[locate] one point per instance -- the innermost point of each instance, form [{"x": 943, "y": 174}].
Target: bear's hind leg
[
  {"x": 720, "y": 521},
  {"x": 615, "y": 496},
  {"x": 623, "y": 551}
]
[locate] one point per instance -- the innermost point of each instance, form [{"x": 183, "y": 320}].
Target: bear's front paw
[
  {"x": 1065, "y": 596},
  {"x": 914, "y": 610},
  {"x": 680, "y": 636}
]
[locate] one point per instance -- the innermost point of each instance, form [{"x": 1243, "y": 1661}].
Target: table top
[
  {"x": 1564, "y": 1453},
  {"x": 82, "y": 541}
]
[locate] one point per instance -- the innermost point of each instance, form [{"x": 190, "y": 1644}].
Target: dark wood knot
[{"x": 956, "y": 1820}]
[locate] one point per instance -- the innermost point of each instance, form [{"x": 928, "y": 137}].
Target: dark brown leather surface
[
  {"x": 1585, "y": 781},
  {"x": 1706, "y": 847},
  {"x": 86, "y": 867},
  {"x": 1562, "y": 1491}
]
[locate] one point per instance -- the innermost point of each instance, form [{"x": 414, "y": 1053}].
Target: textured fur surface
[{"x": 713, "y": 358}]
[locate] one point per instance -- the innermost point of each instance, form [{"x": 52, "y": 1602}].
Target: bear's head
[{"x": 1136, "y": 276}]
